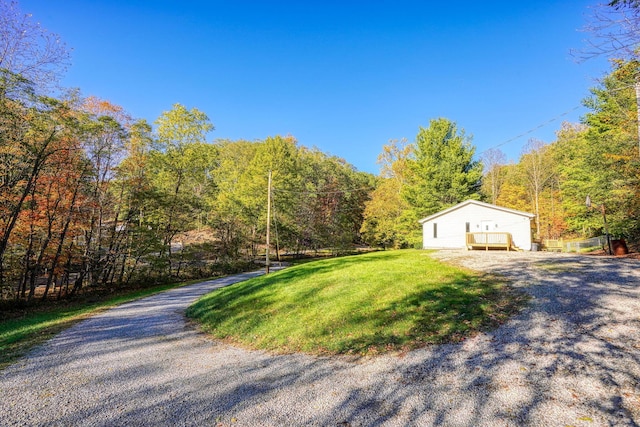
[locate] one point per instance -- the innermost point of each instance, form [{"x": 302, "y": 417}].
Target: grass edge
[{"x": 12, "y": 351}]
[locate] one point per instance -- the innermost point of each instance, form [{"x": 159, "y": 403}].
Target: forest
[{"x": 92, "y": 197}]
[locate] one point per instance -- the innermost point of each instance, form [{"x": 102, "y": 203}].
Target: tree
[
  {"x": 493, "y": 160},
  {"x": 136, "y": 199},
  {"x": 573, "y": 155},
  {"x": 618, "y": 4},
  {"x": 181, "y": 139},
  {"x": 513, "y": 193},
  {"x": 226, "y": 205},
  {"x": 615, "y": 27},
  {"x": 30, "y": 134},
  {"x": 335, "y": 201},
  {"x": 317, "y": 200},
  {"x": 612, "y": 154},
  {"x": 60, "y": 193},
  {"x": 28, "y": 50},
  {"x": 538, "y": 171},
  {"x": 393, "y": 159},
  {"x": 384, "y": 215},
  {"x": 616, "y": 34},
  {"x": 280, "y": 155},
  {"x": 442, "y": 170},
  {"x": 133, "y": 172},
  {"x": 104, "y": 137}
]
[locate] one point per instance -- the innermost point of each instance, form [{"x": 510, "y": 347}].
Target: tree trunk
[
  {"x": 15, "y": 213},
  {"x": 22, "y": 292},
  {"x": 56, "y": 258},
  {"x": 38, "y": 162}
]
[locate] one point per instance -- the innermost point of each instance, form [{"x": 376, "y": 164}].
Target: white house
[{"x": 448, "y": 229}]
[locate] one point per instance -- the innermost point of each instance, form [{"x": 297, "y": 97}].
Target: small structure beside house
[{"x": 477, "y": 225}]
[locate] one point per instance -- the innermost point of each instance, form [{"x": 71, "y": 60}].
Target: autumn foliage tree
[
  {"x": 32, "y": 131},
  {"x": 385, "y": 217}
]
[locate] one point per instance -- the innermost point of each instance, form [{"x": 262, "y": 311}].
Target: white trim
[{"x": 476, "y": 202}]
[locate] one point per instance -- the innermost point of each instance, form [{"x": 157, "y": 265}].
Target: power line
[
  {"x": 624, "y": 87},
  {"x": 532, "y": 129},
  {"x": 347, "y": 190}
]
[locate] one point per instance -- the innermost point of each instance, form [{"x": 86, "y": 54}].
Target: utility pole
[
  {"x": 268, "y": 221},
  {"x": 637, "y": 87}
]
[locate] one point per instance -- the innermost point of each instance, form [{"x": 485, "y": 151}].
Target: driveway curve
[{"x": 572, "y": 357}]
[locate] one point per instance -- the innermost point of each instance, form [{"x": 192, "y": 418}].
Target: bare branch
[
  {"x": 28, "y": 50},
  {"x": 615, "y": 30}
]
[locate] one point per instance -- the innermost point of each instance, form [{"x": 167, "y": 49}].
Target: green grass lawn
[
  {"x": 18, "y": 335},
  {"x": 363, "y": 304}
]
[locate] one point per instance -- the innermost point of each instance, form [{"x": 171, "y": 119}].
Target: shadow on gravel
[
  {"x": 570, "y": 358},
  {"x": 573, "y": 352}
]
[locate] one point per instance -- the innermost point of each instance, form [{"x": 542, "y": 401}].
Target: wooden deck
[{"x": 488, "y": 241}]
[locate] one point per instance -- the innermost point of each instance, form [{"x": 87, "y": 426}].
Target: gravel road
[{"x": 571, "y": 358}]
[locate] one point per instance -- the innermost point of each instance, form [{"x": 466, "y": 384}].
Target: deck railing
[{"x": 489, "y": 240}]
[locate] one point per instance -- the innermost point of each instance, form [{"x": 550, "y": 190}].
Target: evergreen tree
[
  {"x": 612, "y": 148},
  {"x": 442, "y": 171}
]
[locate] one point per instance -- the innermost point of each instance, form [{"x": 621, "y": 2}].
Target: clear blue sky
[{"x": 343, "y": 76}]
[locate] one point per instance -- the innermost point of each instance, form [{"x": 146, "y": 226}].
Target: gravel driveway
[{"x": 572, "y": 358}]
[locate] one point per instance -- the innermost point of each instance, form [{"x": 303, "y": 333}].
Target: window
[
  {"x": 467, "y": 227},
  {"x": 435, "y": 230}
]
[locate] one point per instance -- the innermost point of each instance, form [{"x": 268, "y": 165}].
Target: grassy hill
[{"x": 363, "y": 304}]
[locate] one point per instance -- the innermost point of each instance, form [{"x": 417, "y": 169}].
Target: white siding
[{"x": 451, "y": 226}]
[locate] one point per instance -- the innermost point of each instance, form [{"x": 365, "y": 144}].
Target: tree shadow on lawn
[
  {"x": 247, "y": 304},
  {"x": 463, "y": 307},
  {"x": 570, "y": 358}
]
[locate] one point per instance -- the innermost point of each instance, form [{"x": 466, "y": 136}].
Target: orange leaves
[{"x": 102, "y": 107}]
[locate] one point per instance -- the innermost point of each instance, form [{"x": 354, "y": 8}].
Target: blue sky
[{"x": 343, "y": 76}]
